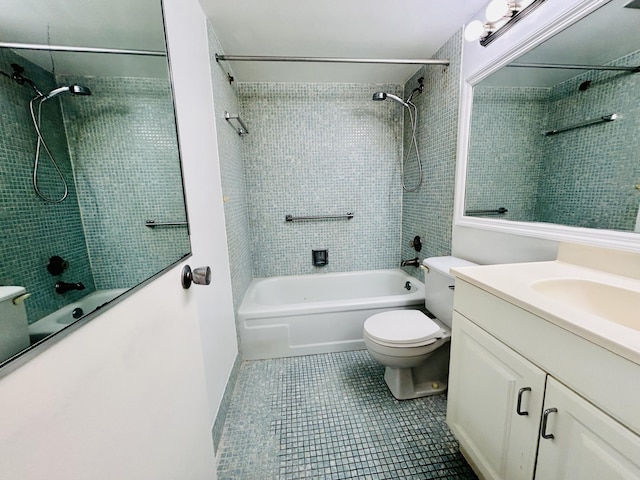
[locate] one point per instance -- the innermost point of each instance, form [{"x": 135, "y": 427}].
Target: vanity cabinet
[
  {"x": 585, "y": 442},
  {"x": 526, "y": 401},
  {"x": 494, "y": 403}
]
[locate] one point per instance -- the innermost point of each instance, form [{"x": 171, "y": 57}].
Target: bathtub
[
  {"x": 64, "y": 316},
  {"x": 321, "y": 313}
]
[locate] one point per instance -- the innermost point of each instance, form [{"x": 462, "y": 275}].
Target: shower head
[
  {"x": 72, "y": 89},
  {"x": 378, "y": 96}
]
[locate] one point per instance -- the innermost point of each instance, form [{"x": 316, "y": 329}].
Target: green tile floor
[{"x": 331, "y": 416}]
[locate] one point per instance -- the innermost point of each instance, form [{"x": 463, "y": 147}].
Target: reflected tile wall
[
  {"x": 592, "y": 171},
  {"x": 584, "y": 177},
  {"x": 506, "y": 150},
  {"x": 31, "y": 231},
  {"x": 322, "y": 149},
  {"x": 123, "y": 145}
]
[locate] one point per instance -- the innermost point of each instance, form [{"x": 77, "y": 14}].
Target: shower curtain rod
[
  {"x": 65, "y": 48},
  {"x": 576, "y": 67},
  {"x": 250, "y": 58}
]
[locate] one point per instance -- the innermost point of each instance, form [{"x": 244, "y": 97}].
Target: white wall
[{"x": 133, "y": 393}]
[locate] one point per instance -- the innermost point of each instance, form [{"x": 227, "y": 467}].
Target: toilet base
[{"x": 428, "y": 378}]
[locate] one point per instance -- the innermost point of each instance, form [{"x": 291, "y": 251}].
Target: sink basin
[{"x": 613, "y": 303}]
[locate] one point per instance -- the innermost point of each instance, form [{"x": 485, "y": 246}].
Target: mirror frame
[
  {"x": 529, "y": 33},
  {"x": 13, "y": 363}
]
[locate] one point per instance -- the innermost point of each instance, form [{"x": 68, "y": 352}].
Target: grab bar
[
  {"x": 153, "y": 224},
  {"x": 498, "y": 211},
  {"x": 604, "y": 118},
  {"x": 242, "y": 129},
  {"x": 291, "y": 218}
]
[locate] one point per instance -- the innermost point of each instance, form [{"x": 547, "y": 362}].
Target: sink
[{"x": 613, "y": 303}]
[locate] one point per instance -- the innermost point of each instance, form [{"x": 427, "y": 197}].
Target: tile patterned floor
[{"x": 332, "y": 417}]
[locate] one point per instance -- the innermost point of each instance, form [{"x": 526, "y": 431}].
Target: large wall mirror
[
  {"x": 554, "y": 142},
  {"x": 91, "y": 186}
]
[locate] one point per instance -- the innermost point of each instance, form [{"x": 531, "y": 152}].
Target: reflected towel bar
[
  {"x": 498, "y": 211},
  {"x": 291, "y": 218},
  {"x": 604, "y": 118},
  {"x": 242, "y": 129},
  {"x": 153, "y": 224},
  {"x": 567, "y": 66},
  {"x": 69, "y": 48}
]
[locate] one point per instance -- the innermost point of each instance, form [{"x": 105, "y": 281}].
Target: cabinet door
[
  {"x": 587, "y": 443},
  {"x": 494, "y": 404}
]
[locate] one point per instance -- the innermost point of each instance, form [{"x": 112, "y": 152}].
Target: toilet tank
[
  {"x": 438, "y": 286},
  {"x": 13, "y": 322}
]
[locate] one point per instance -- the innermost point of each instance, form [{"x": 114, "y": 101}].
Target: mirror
[
  {"x": 559, "y": 145},
  {"x": 75, "y": 233}
]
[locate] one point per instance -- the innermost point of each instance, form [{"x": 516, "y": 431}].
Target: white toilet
[{"x": 414, "y": 347}]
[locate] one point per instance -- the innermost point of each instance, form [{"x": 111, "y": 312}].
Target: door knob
[{"x": 199, "y": 276}]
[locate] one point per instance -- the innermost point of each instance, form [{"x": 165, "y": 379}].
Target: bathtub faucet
[
  {"x": 62, "y": 287},
  {"x": 414, "y": 262}
]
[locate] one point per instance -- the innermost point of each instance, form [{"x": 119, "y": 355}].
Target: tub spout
[
  {"x": 414, "y": 262},
  {"x": 62, "y": 287}
]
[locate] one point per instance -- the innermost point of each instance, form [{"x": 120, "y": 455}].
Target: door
[
  {"x": 495, "y": 401},
  {"x": 586, "y": 443}
]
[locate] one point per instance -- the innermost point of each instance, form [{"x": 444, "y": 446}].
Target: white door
[
  {"x": 586, "y": 444},
  {"x": 123, "y": 397},
  {"x": 494, "y": 404}
]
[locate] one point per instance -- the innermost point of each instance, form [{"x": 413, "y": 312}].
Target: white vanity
[{"x": 545, "y": 367}]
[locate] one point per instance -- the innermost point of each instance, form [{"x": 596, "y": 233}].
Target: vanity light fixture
[{"x": 500, "y": 16}]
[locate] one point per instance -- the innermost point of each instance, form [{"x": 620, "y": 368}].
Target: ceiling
[
  {"x": 122, "y": 24},
  {"x": 331, "y": 28},
  {"x": 335, "y": 28}
]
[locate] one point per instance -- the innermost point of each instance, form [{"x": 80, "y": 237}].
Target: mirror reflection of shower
[
  {"x": 413, "y": 116},
  {"x": 36, "y": 114}
]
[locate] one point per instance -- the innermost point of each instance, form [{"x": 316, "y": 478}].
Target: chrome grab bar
[
  {"x": 604, "y": 118},
  {"x": 291, "y": 218},
  {"x": 242, "y": 129},
  {"x": 153, "y": 224},
  {"x": 497, "y": 211}
]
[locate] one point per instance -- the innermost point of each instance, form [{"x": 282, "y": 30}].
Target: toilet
[{"x": 413, "y": 347}]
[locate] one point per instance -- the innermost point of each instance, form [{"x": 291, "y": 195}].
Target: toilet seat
[{"x": 402, "y": 328}]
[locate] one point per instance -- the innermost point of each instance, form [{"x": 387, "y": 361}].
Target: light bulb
[
  {"x": 499, "y": 9},
  {"x": 474, "y": 31}
]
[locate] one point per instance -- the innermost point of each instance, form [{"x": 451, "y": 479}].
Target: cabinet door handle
[
  {"x": 519, "y": 405},
  {"x": 545, "y": 416}
]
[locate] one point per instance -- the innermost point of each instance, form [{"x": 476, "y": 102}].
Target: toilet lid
[{"x": 401, "y": 327}]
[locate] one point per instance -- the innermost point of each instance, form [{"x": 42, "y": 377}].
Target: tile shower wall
[
  {"x": 506, "y": 150},
  {"x": 428, "y": 212},
  {"x": 123, "y": 144},
  {"x": 232, "y": 176},
  {"x": 235, "y": 207},
  {"x": 322, "y": 149},
  {"x": 31, "y": 230},
  {"x": 593, "y": 178}
]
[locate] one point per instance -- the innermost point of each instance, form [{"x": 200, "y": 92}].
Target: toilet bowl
[{"x": 412, "y": 346}]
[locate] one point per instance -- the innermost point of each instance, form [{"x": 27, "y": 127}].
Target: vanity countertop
[{"x": 599, "y": 306}]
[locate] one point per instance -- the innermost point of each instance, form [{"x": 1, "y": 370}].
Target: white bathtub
[
  {"x": 61, "y": 318},
  {"x": 321, "y": 313}
]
